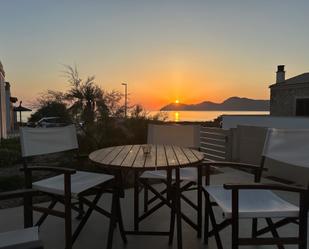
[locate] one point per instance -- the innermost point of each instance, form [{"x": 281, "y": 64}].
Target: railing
[
  {"x": 13, "y": 134},
  {"x": 215, "y": 143}
]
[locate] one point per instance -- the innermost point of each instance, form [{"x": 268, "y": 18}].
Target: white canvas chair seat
[
  {"x": 81, "y": 181},
  {"x": 253, "y": 203},
  {"x": 43, "y": 141},
  {"x": 186, "y": 174},
  {"x": 232, "y": 175},
  {"x": 27, "y": 238}
]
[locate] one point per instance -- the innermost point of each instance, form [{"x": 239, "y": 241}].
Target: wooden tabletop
[{"x": 160, "y": 157}]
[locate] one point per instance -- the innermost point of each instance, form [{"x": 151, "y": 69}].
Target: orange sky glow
[{"x": 192, "y": 51}]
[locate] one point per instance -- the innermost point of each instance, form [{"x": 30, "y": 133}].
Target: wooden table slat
[
  {"x": 140, "y": 159},
  {"x": 191, "y": 157},
  {"x": 111, "y": 156},
  {"x": 161, "y": 156},
  {"x": 121, "y": 156},
  {"x": 170, "y": 155},
  {"x": 151, "y": 158},
  {"x": 199, "y": 156},
  {"x": 129, "y": 160},
  {"x": 182, "y": 158},
  {"x": 99, "y": 155}
]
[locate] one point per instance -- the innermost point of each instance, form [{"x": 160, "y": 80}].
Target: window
[{"x": 302, "y": 107}]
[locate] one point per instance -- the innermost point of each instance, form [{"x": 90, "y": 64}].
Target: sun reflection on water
[{"x": 176, "y": 117}]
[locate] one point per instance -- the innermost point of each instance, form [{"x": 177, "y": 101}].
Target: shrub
[
  {"x": 8, "y": 157},
  {"x": 9, "y": 152},
  {"x": 11, "y": 144},
  {"x": 13, "y": 182}
]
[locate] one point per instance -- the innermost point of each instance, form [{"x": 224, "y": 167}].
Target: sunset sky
[{"x": 165, "y": 50}]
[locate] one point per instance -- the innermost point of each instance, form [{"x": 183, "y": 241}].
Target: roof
[
  {"x": 299, "y": 79},
  {"x": 1, "y": 69},
  {"x": 13, "y": 99},
  {"x": 302, "y": 78}
]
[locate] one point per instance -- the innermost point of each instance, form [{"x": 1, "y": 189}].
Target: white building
[
  {"x": 3, "y": 129},
  {"x": 7, "y": 115}
]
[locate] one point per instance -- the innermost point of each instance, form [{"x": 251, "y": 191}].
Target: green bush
[
  {"x": 11, "y": 144},
  {"x": 9, "y": 152},
  {"x": 52, "y": 109},
  {"x": 13, "y": 182},
  {"x": 8, "y": 157}
]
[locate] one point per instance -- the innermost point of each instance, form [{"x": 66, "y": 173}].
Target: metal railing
[{"x": 215, "y": 143}]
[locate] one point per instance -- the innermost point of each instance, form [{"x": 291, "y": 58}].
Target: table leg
[
  {"x": 171, "y": 200},
  {"x": 116, "y": 215},
  {"x": 178, "y": 209},
  {"x": 199, "y": 201},
  {"x": 136, "y": 201}
]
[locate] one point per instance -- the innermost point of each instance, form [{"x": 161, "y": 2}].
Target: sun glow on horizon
[{"x": 177, "y": 101}]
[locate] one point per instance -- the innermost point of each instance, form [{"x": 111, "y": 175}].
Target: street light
[{"x": 125, "y": 98}]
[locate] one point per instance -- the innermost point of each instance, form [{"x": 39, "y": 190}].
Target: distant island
[{"x": 230, "y": 104}]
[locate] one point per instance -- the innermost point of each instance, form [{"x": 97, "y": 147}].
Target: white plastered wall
[{"x": 3, "y": 128}]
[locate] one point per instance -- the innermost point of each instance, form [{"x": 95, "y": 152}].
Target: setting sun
[{"x": 177, "y": 101}]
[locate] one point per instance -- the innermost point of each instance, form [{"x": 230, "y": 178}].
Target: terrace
[{"x": 94, "y": 235}]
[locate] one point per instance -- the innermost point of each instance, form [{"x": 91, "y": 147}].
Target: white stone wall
[
  {"x": 232, "y": 121},
  {"x": 3, "y": 128}
]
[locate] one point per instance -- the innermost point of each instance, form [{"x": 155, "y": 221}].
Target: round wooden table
[{"x": 167, "y": 157}]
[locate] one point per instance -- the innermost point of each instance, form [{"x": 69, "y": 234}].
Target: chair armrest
[
  {"x": 81, "y": 156},
  {"x": 279, "y": 187},
  {"x": 235, "y": 165},
  {"x": 17, "y": 193},
  {"x": 53, "y": 169}
]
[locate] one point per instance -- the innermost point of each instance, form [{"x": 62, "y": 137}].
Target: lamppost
[{"x": 125, "y": 98}]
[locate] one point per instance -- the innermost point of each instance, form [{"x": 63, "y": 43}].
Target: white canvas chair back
[
  {"x": 39, "y": 141},
  {"x": 288, "y": 146},
  {"x": 181, "y": 135}
]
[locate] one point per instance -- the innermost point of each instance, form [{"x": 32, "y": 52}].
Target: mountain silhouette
[{"x": 230, "y": 104}]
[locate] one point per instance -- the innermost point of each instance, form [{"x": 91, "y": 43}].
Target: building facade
[
  {"x": 7, "y": 114},
  {"x": 3, "y": 129},
  {"x": 289, "y": 97}
]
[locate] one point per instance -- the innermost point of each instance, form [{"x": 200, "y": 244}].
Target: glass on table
[{"x": 146, "y": 149}]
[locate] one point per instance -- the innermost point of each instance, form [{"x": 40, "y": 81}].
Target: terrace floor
[{"x": 94, "y": 234}]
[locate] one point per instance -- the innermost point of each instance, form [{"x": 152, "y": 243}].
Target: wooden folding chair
[
  {"x": 258, "y": 201},
  {"x": 27, "y": 238},
  {"x": 69, "y": 184},
  {"x": 180, "y": 135}
]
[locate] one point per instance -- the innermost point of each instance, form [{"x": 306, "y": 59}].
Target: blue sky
[{"x": 161, "y": 48}]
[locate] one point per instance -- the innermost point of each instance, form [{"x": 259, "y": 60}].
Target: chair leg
[
  {"x": 28, "y": 211},
  {"x": 68, "y": 212},
  {"x": 145, "y": 198},
  {"x": 303, "y": 228},
  {"x": 172, "y": 218},
  {"x": 235, "y": 220},
  {"x": 273, "y": 231},
  {"x": 254, "y": 227},
  {"x": 178, "y": 208},
  {"x": 136, "y": 202},
  {"x": 206, "y": 221},
  {"x": 113, "y": 221},
  {"x": 120, "y": 221},
  {"x": 44, "y": 216},
  {"x": 214, "y": 224},
  {"x": 81, "y": 211},
  {"x": 85, "y": 217},
  {"x": 199, "y": 203}
]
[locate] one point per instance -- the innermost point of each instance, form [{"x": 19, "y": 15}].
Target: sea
[
  {"x": 183, "y": 116},
  {"x": 201, "y": 116}
]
